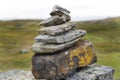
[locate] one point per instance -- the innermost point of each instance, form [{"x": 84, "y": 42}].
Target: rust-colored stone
[{"x": 58, "y": 65}]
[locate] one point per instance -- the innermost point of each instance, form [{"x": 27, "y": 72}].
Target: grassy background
[
  {"x": 15, "y": 36},
  {"x": 19, "y": 34}
]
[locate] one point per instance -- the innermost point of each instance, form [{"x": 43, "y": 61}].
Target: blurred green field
[{"x": 16, "y": 35}]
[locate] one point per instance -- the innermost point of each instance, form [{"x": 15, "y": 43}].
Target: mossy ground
[{"x": 19, "y": 34}]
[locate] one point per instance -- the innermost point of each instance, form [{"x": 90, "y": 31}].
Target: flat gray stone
[
  {"x": 54, "y": 30},
  {"x": 51, "y": 48},
  {"x": 94, "y": 72},
  {"x": 57, "y": 10},
  {"x": 62, "y": 38},
  {"x": 52, "y": 21}
]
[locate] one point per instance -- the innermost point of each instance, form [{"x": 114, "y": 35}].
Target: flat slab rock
[
  {"x": 43, "y": 48},
  {"x": 62, "y": 38},
  {"x": 54, "y": 30},
  {"x": 54, "y": 20},
  {"x": 60, "y": 64}
]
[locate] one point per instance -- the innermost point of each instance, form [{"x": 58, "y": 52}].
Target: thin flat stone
[
  {"x": 43, "y": 48},
  {"x": 57, "y": 10},
  {"x": 62, "y": 38},
  {"x": 54, "y": 30},
  {"x": 52, "y": 21}
]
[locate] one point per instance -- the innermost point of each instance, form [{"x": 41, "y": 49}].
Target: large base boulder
[{"x": 59, "y": 65}]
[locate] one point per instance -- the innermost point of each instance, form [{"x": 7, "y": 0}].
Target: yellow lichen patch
[{"x": 84, "y": 54}]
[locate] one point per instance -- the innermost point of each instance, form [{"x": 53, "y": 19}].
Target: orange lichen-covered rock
[
  {"x": 82, "y": 55},
  {"x": 60, "y": 64}
]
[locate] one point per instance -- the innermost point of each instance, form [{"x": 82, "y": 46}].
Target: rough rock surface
[
  {"x": 43, "y": 48},
  {"x": 54, "y": 30},
  {"x": 16, "y": 75},
  {"x": 60, "y": 9},
  {"x": 52, "y": 21},
  {"x": 62, "y": 38},
  {"x": 57, "y": 10},
  {"x": 92, "y": 72},
  {"x": 60, "y": 64}
]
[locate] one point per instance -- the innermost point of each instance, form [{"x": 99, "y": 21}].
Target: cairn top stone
[
  {"x": 59, "y": 16},
  {"x": 58, "y": 10}
]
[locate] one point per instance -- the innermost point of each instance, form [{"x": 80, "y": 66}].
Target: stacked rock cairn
[{"x": 59, "y": 48}]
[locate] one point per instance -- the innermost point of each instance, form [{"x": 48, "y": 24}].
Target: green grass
[
  {"x": 104, "y": 34},
  {"x": 110, "y": 59},
  {"x": 19, "y": 34},
  {"x": 14, "y": 36}
]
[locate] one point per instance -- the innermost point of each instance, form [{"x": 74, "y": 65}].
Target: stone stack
[{"x": 59, "y": 48}]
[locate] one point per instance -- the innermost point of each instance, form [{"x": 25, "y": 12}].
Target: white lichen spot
[{"x": 66, "y": 53}]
